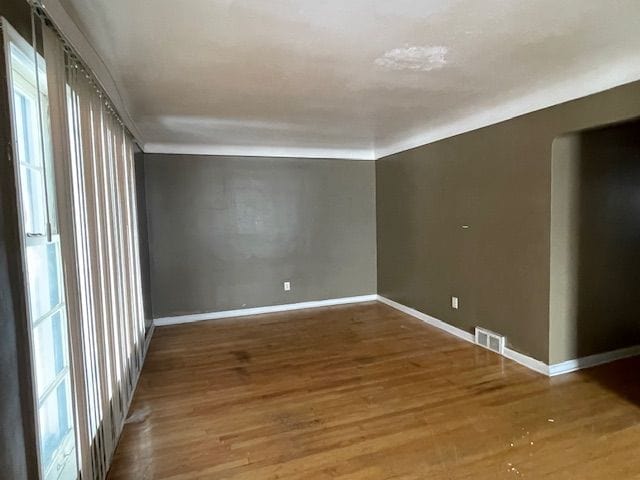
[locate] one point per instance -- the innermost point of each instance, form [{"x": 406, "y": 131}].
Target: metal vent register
[{"x": 488, "y": 339}]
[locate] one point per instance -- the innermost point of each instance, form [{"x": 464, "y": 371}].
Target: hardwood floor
[{"x": 367, "y": 392}]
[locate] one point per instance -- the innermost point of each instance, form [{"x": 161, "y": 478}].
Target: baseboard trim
[
  {"x": 527, "y": 361},
  {"x": 458, "y": 332},
  {"x": 520, "y": 358},
  {"x": 245, "y": 312},
  {"x": 517, "y": 357},
  {"x": 524, "y": 360},
  {"x": 592, "y": 360}
]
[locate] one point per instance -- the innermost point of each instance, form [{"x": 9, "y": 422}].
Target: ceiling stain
[
  {"x": 414, "y": 58},
  {"x": 357, "y": 79}
]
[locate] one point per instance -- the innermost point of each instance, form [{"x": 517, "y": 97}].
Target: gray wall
[
  {"x": 17, "y": 428},
  {"x": 143, "y": 237},
  {"x": 595, "y": 242},
  {"x": 496, "y": 180},
  {"x": 225, "y": 232}
]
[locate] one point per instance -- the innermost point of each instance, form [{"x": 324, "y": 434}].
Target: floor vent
[{"x": 488, "y": 339}]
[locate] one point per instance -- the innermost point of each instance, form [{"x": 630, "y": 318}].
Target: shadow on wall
[
  {"x": 143, "y": 237},
  {"x": 595, "y": 248}
]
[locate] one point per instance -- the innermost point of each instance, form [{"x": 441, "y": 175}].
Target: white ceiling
[{"x": 349, "y": 78}]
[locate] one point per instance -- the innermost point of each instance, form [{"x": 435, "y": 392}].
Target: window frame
[{"x": 20, "y": 79}]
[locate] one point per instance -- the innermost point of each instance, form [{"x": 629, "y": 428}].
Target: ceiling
[{"x": 349, "y": 79}]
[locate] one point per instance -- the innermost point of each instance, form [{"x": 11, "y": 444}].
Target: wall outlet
[
  {"x": 454, "y": 302},
  {"x": 287, "y": 286}
]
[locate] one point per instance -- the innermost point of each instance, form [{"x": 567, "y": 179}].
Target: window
[
  {"x": 88, "y": 336},
  {"x": 43, "y": 264}
]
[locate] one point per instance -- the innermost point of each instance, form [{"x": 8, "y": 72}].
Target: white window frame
[{"x": 20, "y": 78}]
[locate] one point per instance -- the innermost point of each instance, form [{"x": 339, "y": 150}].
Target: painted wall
[
  {"x": 143, "y": 237},
  {"x": 595, "y": 242},
  {"x": 17, "y": 428},
  {"x": 226, "y": 232},
  {"x": 497, "y": 181}
]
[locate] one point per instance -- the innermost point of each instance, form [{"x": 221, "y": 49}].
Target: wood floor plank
[{"x": 367, "y": 392}]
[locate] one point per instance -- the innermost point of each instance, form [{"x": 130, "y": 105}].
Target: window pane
[
  {"x": 27, "y": 129},
  {"x": 55, "y": 422},
  {"x": 32, "y": 179},
  {"x": 43, "y": 271},
  {"x": 33, "y": 201},
  {"x": 49, "y": 341}
]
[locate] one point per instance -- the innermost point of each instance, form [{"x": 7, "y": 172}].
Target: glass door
[{"x": 43, "y": 263}]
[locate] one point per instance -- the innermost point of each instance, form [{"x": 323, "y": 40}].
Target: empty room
[{"x": 309, "y": 240}]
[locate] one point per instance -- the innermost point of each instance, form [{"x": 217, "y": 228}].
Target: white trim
[
  {"x": 429, "y": 319},
  {"x": 244, "y": 312},
  {"x": 526, "y": 361},
  {"x": 593, "y": 360},
  {"x": 239, "y": 151},
  {"x": 10, "y": 35},
  {"x": 517, "y": 357},
  {"x": 520, "y": 358}
]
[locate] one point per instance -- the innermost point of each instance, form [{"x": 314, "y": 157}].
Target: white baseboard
[
  {"x": 517, "y": 357},
  {"x": 244, "y": 312},
  {"x": 527, "y": 361},
  {"x": 592, "y": 360},
  {"x": 524, "y": 360},
  {"x": 428, "y": 319}
]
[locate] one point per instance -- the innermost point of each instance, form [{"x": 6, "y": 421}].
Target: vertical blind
[{"x": 95, "y": 183}]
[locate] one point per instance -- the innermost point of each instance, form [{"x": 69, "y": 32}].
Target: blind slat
[{"x": 93, "y": 158}]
